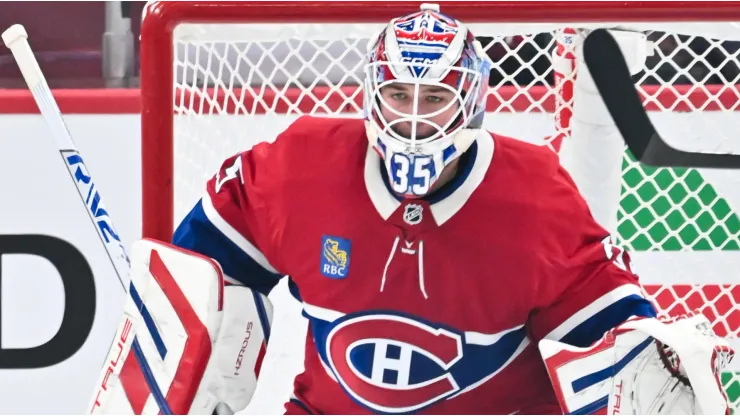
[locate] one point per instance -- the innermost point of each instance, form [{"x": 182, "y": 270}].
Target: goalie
[{"x": 437, "y": 264}]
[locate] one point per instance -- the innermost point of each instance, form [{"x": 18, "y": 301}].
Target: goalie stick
[
  {"x": 609, "y": 70},
  {"x": 16, "y": 39},
  {"x": 130, "y": 380}
]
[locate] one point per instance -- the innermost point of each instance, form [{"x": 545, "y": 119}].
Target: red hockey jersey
[{"x": 429, "y": 306}]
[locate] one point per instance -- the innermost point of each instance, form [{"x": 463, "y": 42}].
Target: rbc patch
[{"x": 335, "y": 253}]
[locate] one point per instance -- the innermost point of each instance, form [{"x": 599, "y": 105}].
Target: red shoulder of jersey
[
  {"x": 239, "y": 219},
  {"x": 586, "y": 285},
  {"x": 531, "y": 175},
  {"x": 535, "y": 165},
  {"x": 306, "y": 146}
]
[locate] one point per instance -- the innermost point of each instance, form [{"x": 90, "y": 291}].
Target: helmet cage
[{"x": 424, "y": 49}]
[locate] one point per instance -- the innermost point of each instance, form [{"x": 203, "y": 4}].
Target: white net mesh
[{"x": 240, "y": 84}]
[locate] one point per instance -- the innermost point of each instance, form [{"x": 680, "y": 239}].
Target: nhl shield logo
[{"x": 412, "y": 214}]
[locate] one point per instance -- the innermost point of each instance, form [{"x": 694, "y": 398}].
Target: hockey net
[{"x": 235, "y": 75}]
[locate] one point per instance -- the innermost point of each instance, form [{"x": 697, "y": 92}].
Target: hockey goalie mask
[{"x": 425, "y": 89}]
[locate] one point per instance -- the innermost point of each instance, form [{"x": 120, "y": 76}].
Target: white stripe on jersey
[
  {"x": 324, "y": 314},
  {"x": 592, "y": 309},
  {"x": 471, "y": 337},
  {"x": 234, "y": 235},
  {"x": 477, "y": 338}
]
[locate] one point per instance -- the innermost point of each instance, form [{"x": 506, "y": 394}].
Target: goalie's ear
[
  {"x": 625, "y": 372},
  {"x": 186, "y": 344}
]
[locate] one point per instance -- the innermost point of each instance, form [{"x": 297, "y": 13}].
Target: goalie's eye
[
  {"x": 430, "y": 99},
  {"x": 399, "y": 96}
]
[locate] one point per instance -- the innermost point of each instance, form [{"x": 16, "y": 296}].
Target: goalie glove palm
[{"x": 644, "y": 366}]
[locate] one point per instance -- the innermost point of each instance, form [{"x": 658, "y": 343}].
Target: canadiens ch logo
[
  {"x": 412, "y": 214},
  {"x": 386, "y": 347},
  {"x": 335, "y": 252},
  {"x": 396, "y": 363}
]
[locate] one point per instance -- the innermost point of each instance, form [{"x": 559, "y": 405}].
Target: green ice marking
[{"x": 671, "y": 209}]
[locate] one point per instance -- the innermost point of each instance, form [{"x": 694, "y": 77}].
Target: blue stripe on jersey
[
  {"x": 318, "y": 330},
  {"x": 301, "y": 405},
  {"x": 293, "y": 288},
  {"x": 593, "y": 328},
  {"x": 480, "y": 361},
  {"x": 197, "y": 233},
  {"x": 148, "y": 321}
]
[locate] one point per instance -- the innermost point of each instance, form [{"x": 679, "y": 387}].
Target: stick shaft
[{"x": 16, "y": 40}]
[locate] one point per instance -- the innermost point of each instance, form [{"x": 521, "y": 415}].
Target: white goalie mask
[{"x": 420, "y": 58}]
